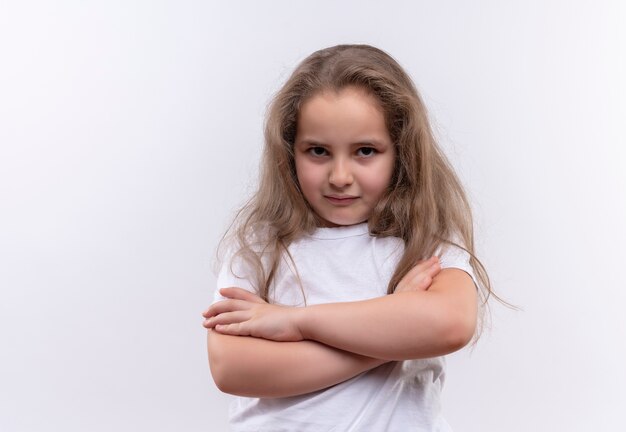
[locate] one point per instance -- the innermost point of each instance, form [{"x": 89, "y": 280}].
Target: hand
[
  {"x": 246, "y": 314},
  {"x": 420, "y": 277}
]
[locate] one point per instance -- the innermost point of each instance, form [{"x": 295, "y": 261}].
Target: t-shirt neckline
[{"x": 339, "y": 232}]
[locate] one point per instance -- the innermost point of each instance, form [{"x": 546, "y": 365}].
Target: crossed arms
[{"x": 258, "y": 349}]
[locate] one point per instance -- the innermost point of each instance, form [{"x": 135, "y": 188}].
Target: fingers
[
  {"x": 226, "y": 306},
  {"x": 427, "y": 275},
  {"x": 423, "y": 283},
  {"x": 425, "y": 266},
  {"x": 431, "y": 266},
  {"x": 434, "y": 269},
  {"x": 226, "y": 318},
  {"x": 429, "y": 262},
  {"x": 420, "y": 277},
  {"x": 235, "y": 294},
  {"x": 235, "y": 329},
  {"x": 240, "y": 294},
  {"x": 428, "y": 267},
  {"x": 231, "y": 316}
]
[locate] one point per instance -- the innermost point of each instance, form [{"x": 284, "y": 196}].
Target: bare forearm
[
  {"x": 254, "y": 367},
  {"x": 404, "y": 325},
  {"x": 401, "y": 326}
]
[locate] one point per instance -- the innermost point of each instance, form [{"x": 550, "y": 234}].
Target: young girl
[{"x": 328, "y": 315}]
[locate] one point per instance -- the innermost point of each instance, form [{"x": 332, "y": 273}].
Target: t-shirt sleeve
[
  {"x": 451, "y": 256},
  {"x": 237, "y": 275}
]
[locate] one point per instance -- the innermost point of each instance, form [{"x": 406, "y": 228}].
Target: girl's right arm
[{"x": 254, "y": 367}]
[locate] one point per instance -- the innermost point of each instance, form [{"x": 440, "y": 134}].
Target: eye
[
  {"x": 366, "y": 151},
  {"x": 317, "y": 151}
]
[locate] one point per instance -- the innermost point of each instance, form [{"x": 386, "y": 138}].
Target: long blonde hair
[{"x": 425, "y": 204}]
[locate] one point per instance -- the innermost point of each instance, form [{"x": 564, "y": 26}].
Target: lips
[{"x": 341, "y": 200}]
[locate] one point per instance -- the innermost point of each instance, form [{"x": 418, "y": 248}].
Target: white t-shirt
[{"x": 338, "y": 265}]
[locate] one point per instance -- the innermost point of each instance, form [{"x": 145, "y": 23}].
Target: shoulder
[
  {"x": 454, "y": 254},
  {"x": 244, "y": 258},
  {"x": 235, "y": 267}
]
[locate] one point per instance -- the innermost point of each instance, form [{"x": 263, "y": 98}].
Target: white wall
[{"x": 129, "y": 132}]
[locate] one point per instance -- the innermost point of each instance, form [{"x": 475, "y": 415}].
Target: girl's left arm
[{"x": 401, "y": 326}]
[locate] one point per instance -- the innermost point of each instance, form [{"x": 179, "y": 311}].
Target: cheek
[
  {"x": 386, "y": 173},
  {"x": 379, "y": 179},
  {"x": 306, "y": 176}
]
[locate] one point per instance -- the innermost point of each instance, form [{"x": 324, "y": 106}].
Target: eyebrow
[{"x": 360, "y": 142}]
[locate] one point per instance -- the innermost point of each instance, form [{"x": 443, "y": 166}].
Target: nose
[{"x": 340, "y": 173}]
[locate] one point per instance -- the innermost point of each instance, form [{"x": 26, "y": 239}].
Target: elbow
[
  {"x": 448, "y": 335},
  {"x": 216, "y": 366},
  {"x": 217, "y": 374},
  {"x": 459, "y": 331},
  {"x": 227, "y": 371},
  {"x": 221, "y": 382},
  {"x": 222, "y": 378},
  {"x": 457, "y": 339}
]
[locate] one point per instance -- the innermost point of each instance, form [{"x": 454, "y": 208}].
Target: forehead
[
  {"x": 340, "y": 115},
  {"x": 343, "y": 95}
]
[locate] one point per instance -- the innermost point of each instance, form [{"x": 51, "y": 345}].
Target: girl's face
[{"x": 344, "y": 156}]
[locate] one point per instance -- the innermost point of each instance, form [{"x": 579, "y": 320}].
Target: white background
[{"x": 130, "y": 131}]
